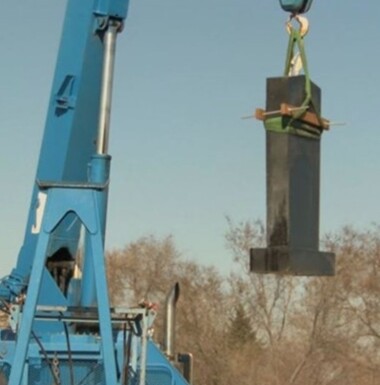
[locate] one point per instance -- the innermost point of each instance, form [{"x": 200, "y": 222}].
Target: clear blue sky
[{"x": 186, "y": 72}]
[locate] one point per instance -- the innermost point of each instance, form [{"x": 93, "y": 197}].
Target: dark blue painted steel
[
  {"x": 99, "y": 173},
  {"x": 114, "y": 8},
  {"x": 72, "y": 188},
  {"x": 69, "y": 139},
  {"x": 89, "y": 363},
  {"x": 160, "y": 370},
  {"x": 70, "y": 133},
  {"x": 296, "y": 6},
  {"x": 88, "y": 206}
]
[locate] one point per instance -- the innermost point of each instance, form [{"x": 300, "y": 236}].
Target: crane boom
[
  {"x": 71, "y": 130},
  {"x": 63, "y": 329}
]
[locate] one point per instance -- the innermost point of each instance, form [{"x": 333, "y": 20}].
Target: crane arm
[{"x": 71, "y": 130}]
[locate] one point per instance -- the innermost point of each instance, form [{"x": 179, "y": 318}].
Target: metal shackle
[{"x": 303, "y": 25}]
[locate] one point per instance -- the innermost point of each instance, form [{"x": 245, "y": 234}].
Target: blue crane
[{"x": 63, "y": 328}]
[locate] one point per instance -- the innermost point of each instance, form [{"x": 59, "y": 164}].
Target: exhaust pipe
[{"x": 169, "y": 323}]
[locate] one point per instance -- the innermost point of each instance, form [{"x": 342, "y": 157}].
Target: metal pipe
[
  {"x": 144, "y": 350},
  {"x": 186, "y": 359},
  {"x": 169, "y": 325},
  {"x": 106, "y": 90}
]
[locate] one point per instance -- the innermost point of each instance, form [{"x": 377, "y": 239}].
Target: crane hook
[{"x": 303, "y": 24}]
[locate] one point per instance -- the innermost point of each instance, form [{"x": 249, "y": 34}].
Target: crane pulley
[{"x": 296, "y": 6}]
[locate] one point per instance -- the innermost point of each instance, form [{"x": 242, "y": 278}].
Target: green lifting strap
[
  {"x": 291, "y": 125},
  {"x": 288, "y": 125}
]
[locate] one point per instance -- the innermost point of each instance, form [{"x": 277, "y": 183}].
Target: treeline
[{"x": 251, "y": 329}]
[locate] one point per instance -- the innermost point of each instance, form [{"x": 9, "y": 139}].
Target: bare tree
[
  {"x": 144, "y": 270},
  {"x": 358, "y": 281},
  {"x": 265, "y": 329},
  {"x": 267, "y": 298},
  {"x": 329, "y": 324},
  {"x": 147, "y": 269}
]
